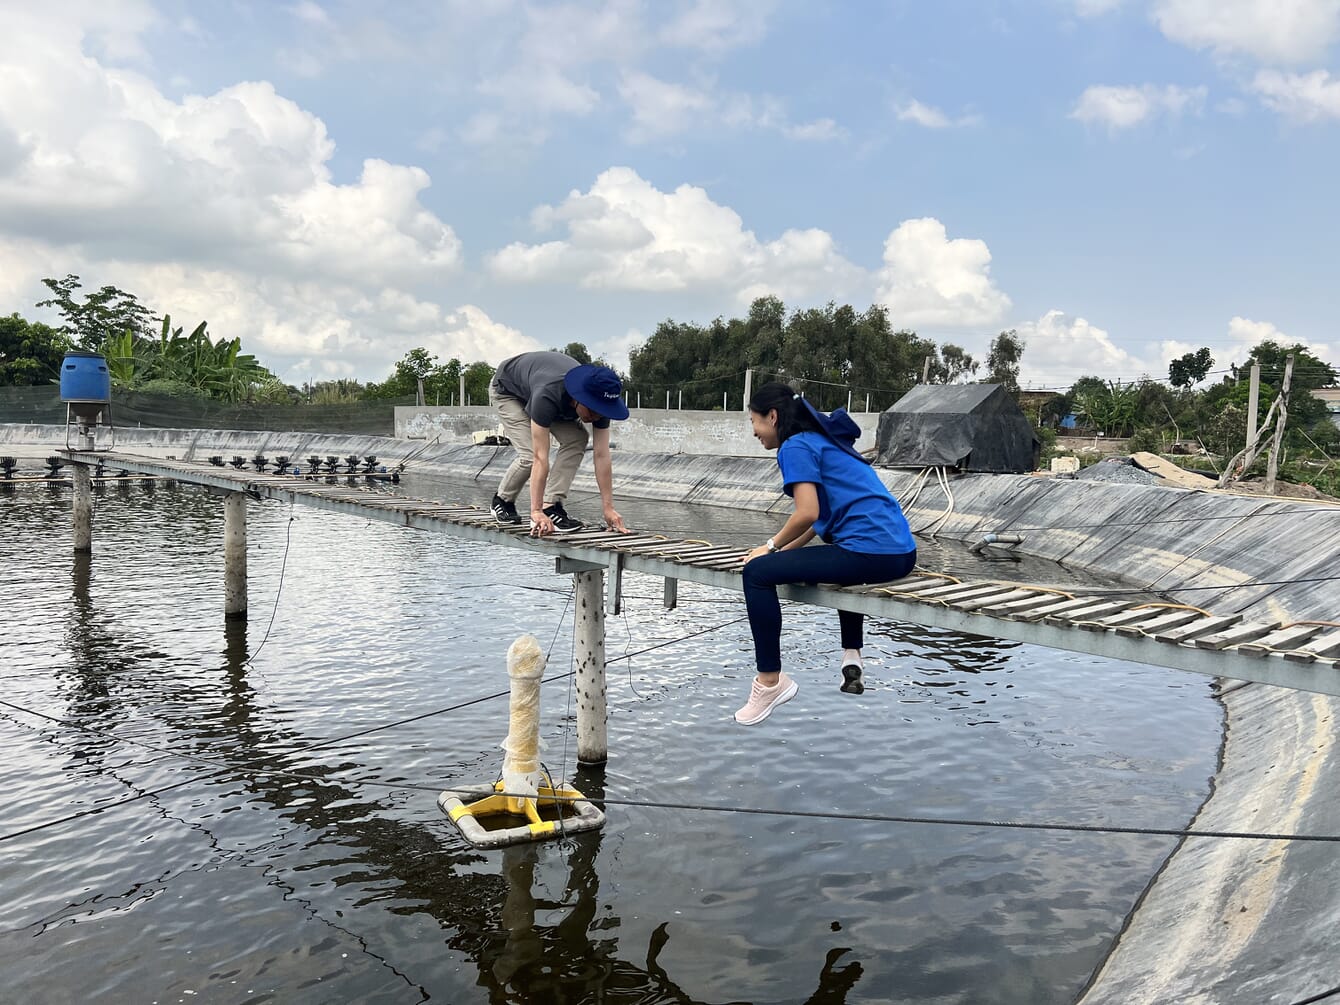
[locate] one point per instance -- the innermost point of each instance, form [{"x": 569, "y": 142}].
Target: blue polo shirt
[{"x": 856, "y": 511}]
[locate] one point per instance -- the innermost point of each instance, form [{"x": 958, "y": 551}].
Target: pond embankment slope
[{"x": 1225, "y": 920}]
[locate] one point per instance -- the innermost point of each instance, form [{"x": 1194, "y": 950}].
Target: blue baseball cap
[{"x": 598, "y": 388}]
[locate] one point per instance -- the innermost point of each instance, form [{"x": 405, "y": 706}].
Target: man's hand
[
  {"x": 540, "y": 525},
  {"x": 615, "y": 522}
]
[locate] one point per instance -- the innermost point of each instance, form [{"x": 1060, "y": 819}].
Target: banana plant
[{"x": 119, "y": 351}]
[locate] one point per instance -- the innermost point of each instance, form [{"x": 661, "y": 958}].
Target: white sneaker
[{"x": 762, "y": 700}]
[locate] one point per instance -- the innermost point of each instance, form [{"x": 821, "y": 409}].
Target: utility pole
[
  {"x": 748, "y": 387},
  {"x": 1273, "y": 461},
  {"x": 926, "y": 371},
  {"x": 1253, "y": 391}
]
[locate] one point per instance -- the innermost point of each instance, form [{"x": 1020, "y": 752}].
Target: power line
[{"x": 867, "y": 817}]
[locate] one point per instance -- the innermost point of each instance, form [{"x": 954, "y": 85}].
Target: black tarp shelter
[{"x": 972, "y": 427}]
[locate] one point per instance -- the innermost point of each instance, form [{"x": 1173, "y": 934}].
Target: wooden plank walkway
[{"x": 1300, "y": 655}]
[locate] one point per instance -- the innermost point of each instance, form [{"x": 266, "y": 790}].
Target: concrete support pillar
[
  {"x": 670, "y": 597},
  {"x": 235, "y": 556},
  {"x": 83, "y": 496},
  {"x": 83, "y": 509},
  {"x": 589, "y": 657}
]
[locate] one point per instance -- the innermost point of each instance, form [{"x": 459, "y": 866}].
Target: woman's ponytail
[{"x": 792, "y": 416}]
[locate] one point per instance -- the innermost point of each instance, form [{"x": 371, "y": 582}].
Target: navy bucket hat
[{"x": 598, "y": 388}]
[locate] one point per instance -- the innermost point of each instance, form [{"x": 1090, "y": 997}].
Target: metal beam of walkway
[{"x": 1302, "y": 656}]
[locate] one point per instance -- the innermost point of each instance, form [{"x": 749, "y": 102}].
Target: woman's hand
[{"x": 754, "y": 553}]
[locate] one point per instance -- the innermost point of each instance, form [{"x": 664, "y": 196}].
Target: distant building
[{"x": 1330, "y": 395}]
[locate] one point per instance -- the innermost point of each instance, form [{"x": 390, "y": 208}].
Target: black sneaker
[
  {"x": 505, "y": 512},
  {"x": 563, "y": 523}
]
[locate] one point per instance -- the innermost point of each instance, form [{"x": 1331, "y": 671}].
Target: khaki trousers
[{"x": 571, "y": 437}]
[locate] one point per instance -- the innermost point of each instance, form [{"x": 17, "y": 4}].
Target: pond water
[{"x": 254, "y": 842}]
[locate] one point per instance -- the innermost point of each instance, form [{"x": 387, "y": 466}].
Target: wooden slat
[
  {"x": 1284, "y": 639},
  {"x": 627, "y": 542},
  {"x": 1195, "y": 629},
  {"x": 990, "y": 600},
  {"x": 1133, "y": 616},
  {"x": 1059, "y": 607},
  {"x": 1039, "y": 598},
  {"x": 1248, "y": 631},
  {"x": 662, "y": 547},
  {"x": 917, "y": 584},
  {"x": 1101, "y": 609},
  {"x": 711, "y": 554},
  {"x": 1327, "y": 646},
  {"x": 954, "y": 590},
  {"x": 1162, "y": 622},
  {"x": 590, "y": 539},
  {"x": 686, "y": 554},
  {"x": 723, "y": 563}
]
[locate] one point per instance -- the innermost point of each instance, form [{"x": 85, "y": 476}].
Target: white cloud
[
  {"x": 1061, "y": 348},
  {"x": 545, "y": 72},
  {"x": 615, "y": 351},
  {"x": 238, "y": 177},
  {"x": 1094, "y": 8},
  {"x": 1272, "y": 31},
  {"x": 928, "y": 279},
  {"x": 219, "y": 207},
  {"x": 1125, "y": 107},
  {"x": 716, "y": 26},
  {"x": 625, "y": 234},
  {"x": 309, "y": 12},
  {"x": 318, "y": 328},
  {"x": 1311, "y": 97},
  {"x": 818, "y": 131},
  {"x": 542, "y": 89},
  {"x": 930, "y": 117},
  {"x": 662, "y": 109},
  {"x": 1244, "y": 333}
]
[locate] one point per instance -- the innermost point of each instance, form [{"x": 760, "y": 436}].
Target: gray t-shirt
[{"x": 536, "y": 378}]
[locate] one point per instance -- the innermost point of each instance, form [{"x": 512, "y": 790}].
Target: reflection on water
[{"x": 260, "y": 840}]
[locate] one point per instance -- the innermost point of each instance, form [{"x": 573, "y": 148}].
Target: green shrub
[{"x": 1147, "y": 439}]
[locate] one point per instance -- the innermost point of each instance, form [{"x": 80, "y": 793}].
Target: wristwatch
[{"x": 772, "y": 545}]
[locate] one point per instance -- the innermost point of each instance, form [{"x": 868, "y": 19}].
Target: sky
[{"x": 1120, "y": 181}]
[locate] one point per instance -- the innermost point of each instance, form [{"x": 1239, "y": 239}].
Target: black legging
[{"x": 827, "y": 563}]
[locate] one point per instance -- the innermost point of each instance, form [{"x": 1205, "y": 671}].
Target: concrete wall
[{"x": 646, "y": 430}]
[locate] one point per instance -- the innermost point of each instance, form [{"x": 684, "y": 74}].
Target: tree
[
  {"x": 441, "y": 381},
  {"x": 578, "y": 351},
  {"x": 106, "y": 312},
  {"x": 417, "y": 364},
  {"x": 477, "y": 378},
  {"x": 1190, "y": 368},
  {"x": 30, "y": 352},
  {"x": 955, "y": 363},
  {"x": 1002, "y": 360}
]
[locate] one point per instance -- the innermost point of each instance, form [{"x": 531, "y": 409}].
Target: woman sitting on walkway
[{"x": 838, "y": 497}]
